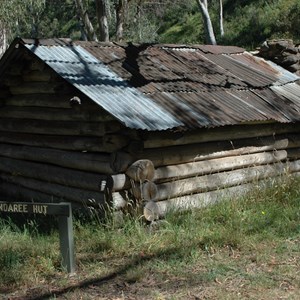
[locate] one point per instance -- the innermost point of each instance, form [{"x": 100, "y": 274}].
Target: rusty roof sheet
[
  {"x": 104, "y": 87},
  {"x": 158, "y": 87}
]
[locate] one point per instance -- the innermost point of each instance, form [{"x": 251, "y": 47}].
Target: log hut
[{"x": 159, "y": 126}]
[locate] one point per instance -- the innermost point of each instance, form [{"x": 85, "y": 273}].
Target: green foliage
[
  {"x": 247, "y": 23},
  {"x": 251, "y": 24}
]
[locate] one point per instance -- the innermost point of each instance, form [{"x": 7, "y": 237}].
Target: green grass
[{"x": 236, "y": 249}]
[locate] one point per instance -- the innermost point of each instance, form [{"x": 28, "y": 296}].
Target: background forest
[{"x": 246, "y": 23}]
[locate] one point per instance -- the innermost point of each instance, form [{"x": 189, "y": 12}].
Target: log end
[
  {"x": 141, "y": 170},
  {"x": 151, "y": 211}
]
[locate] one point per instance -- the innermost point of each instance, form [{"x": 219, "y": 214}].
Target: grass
[{"x": 242, "y": 248}]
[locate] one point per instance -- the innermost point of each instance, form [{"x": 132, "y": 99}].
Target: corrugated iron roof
[{"x": 158, "y": 87}]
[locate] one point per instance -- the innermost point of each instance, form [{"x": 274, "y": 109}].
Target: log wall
[{"x": 57, "y": 145}]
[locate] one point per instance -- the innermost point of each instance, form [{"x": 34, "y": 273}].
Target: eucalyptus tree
[
  {"x": 209, "y": 30},
  {"x": 87, "y": 29},
  {"x": 16, "y": 15}
]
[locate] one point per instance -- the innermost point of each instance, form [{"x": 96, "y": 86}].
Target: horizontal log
[
  {"x": 119, "y": 182},
  {"x": 12, "y": 80},
  {"x": 293, "y": 153},
  {"x": 218, "y": 165},
  {"x": 53, "y": 100},
  {"x": 165, "y": 139},
  {"x": 218, "y": 181},
  {"x": 84, "y": 161},
  {"x": 75, "y": 143},
  {"x": 59, "y": 127},
  {"x": 41, "y": 88},
  {"x": 119, "y": 200},
  {"x": 77, "y": 195},
  {"x": 4, "y": 94},
  {"x": 157, "y": 210},
  {"x": 36, "y": 64},
  {"x": 11, "y": 191},
  {"x": 120, "y": 161},
  {"x": 37, "y": 76},
  {"x": 204, "y": 151},
  {"x": 54, "y": 174},
  {"x": 294, "y": 166},
  {"x": 141, "y": 170},
  {"x": 40, "y": 100},
  {"x": 15, "y": 69},
  {"x": 53, "y": 114},
  {"x": 33, "y": 87},
  {"x": 294, "y": 140},
  {"x": 16, "y": 192}
]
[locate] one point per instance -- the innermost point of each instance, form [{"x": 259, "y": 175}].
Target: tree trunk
[
  {"x": 120, "y": 15},
  {"x": 102, "y": 10},
  {"x": 3, "y": 40},
  {"x": 210, "y": 35},
  {"x": 221, "y": 19},
  {"x": 88, "y": 26}
]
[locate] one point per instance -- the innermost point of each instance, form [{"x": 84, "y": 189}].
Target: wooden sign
[
  {"x": 35, "y": 208},
  {"x": 64, "y": 212}
]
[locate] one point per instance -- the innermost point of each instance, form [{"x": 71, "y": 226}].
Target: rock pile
[{"x": 283, "y": 53}]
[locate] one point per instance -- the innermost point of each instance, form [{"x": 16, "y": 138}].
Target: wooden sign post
[{"x": 64, "y": 212}]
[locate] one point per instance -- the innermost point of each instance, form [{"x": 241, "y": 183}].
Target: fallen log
[
  {"x": 166, "y": 139},
  {"x": 77, "y": 195},
  {"x": 218, "y": 165},
  {"x": 218, "y": 181},
  {"x": 204, "y": 151}
]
